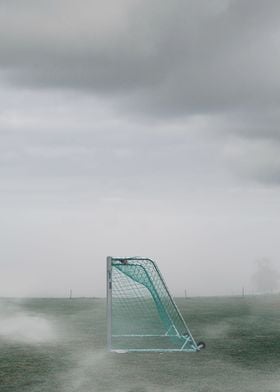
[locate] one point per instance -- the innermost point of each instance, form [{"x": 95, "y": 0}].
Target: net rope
[{"x": 144, "y": 315}]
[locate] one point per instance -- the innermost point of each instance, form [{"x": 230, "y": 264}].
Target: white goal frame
[{"x": 143, "y": 274}]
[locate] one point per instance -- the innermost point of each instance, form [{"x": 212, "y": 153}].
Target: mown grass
[
  {"x": 243, "y": 330},
  {"x": 242, "y": 354}
]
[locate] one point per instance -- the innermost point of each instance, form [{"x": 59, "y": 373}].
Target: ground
[{"x": 59, "y": 345}]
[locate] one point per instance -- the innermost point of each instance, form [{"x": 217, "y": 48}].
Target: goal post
[{"x": 141, "y": 313}]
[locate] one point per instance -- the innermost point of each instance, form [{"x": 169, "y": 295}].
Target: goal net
[{"x": 141, "y": 313}]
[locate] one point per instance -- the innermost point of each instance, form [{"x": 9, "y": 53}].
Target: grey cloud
[
  {"x": 121, "y": 126},
  {"x": 119, "y": 163},
  {"x": 256, "y": 159},
  {"x": 62, "y": 139},
  {"x": 169, "y": 59},
  {"x": 165, "y": 62}
]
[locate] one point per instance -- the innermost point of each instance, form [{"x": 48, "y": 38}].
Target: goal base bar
[{"x": 154, "y": 350}]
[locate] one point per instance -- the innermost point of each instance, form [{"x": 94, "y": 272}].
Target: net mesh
[{"x": 144, "y": 315}]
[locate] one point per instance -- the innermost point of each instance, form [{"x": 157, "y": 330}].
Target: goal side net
[{"x": 141, "y": 313}]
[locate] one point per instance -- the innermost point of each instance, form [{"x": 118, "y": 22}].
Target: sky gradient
[{"x": 142, "y": 128}]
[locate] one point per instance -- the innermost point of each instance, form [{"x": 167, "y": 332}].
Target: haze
[{"x": 143, "y": 128}]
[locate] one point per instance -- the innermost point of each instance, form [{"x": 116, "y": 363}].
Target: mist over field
[
  {"x": 68, "y": 351},
  {"x": 19, "y": 326}
]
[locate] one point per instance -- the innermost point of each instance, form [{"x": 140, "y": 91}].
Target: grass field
[{"x": 52, "y": 345}]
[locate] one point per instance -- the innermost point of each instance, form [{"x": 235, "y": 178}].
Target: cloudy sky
[{"x": 138, "y": 127}]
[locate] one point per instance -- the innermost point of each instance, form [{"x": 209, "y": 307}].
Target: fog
[
  {"x": 19, "y": 326},
  {"x": 266, "y": 278},
  {"x": 59, "y": 345}
]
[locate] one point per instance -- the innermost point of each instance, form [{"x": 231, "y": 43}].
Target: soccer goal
[{"x": 141, "y": 313}]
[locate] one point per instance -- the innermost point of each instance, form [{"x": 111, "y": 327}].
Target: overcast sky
[{"x": 142, "y": 127}]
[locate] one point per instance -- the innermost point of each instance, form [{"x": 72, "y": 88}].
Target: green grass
[
  {"x": 242, "y": 330},
  {"x": 69, "y": 354}
]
